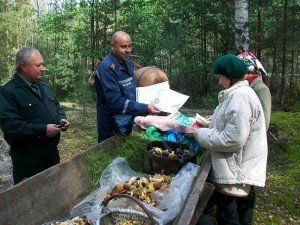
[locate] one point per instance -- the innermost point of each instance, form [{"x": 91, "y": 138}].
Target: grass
[
  {"x": 279, "y": 202},
  {"x": 82, "y": 133},
  {"x": 131, "y": 148}
]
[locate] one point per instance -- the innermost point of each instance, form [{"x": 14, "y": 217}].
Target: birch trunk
[{"x": 241, "y": 25}]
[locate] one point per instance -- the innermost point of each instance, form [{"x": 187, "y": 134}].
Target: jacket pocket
[
  {"x": 52, "y": 108},
  {"x": 29, "y": 109},
  {"x": 128, "y": 88},
  {"x": 124, "y": 123}
]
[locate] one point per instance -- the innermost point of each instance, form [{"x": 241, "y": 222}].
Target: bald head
[
  {"x": 119, "y": 34},
  {"x": 121, "y": 45}
]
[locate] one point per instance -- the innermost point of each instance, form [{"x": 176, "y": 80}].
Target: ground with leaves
[{"x": 277, "y": 203}]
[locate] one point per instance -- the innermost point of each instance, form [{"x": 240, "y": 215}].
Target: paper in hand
[
  {"x": 168, "y": 100},
  {"x": 146, "y": 94}
]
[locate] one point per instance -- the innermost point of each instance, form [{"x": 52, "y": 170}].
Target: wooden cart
[{"x": 54, "y": 192}]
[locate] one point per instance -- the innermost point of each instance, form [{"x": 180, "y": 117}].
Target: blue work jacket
[{"x": 116, "y": 92}]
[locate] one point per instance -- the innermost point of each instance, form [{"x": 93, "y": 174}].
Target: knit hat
[
  {"x": 229, "y": 66},
  {"x": 251, "y": 62}
]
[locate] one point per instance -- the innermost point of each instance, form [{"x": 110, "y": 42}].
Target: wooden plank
[
  {"x": 203, "y": 199},
  {"x": 50, "y": 194},
  {"x": 189, "y": 208}
]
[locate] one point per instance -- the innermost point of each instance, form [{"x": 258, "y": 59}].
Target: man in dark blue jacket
[
  {"x": 116, "y": 91},
  {"x": 30, "y": 117}
]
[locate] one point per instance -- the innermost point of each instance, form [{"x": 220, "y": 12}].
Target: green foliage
[
  {"x": 209, "y": 101},
  {"x": 17, "y": 29},
  {"x": 296, "y": 107},
  {"x": 180, "y": 36}
]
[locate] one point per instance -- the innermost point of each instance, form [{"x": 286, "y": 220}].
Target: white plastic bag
[{"x": 119, "y": 171}]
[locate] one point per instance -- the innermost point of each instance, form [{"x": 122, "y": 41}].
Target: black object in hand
[{"x": 61, "y": 124}]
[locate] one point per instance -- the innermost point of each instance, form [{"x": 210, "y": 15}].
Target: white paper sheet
[
  {"x": 168, "y": 100},
  {"x": 146, "y": 94},
  {"x": 162, "y": 96}
]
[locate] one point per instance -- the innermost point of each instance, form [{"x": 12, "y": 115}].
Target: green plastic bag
[{"x": 154, "y": 134}]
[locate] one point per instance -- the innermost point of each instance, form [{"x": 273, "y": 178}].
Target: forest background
[{"x": 182, "y": 37}]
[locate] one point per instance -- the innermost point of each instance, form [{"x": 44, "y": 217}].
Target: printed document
[
  {"x": 145, "y": 94},
  {"x": 162, "y": 96}
]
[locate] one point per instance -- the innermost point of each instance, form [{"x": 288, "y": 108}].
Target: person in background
[
  {"x": 116, "y": 91},
  {"x": 30, "y": 117},
  {"x": 92, "y": 77},
  {"x": 236, "y": 139},
  {"x": 257, "y": 78}
]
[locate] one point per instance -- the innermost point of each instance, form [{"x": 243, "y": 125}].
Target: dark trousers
[
  {"x": 25, "y": 166},
  {"x": 102, "y": 137},
  {"x": 230, "y": 210},
  {"x": 245, "y": 207}
]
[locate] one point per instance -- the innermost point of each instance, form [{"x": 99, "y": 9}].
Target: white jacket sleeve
[{"x": 230, "y": 127}]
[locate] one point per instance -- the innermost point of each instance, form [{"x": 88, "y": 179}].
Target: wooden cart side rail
[
  {"x": 203, "y": 199},
  {"x": 32, "y": 202},
  {"x": 196, "y": 193}
]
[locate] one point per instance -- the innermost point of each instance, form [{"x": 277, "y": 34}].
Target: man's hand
[
  {"x": 64, "y": 125},
  {"x": 52, "y": 130},
  {"x": 152, "y": 109}
]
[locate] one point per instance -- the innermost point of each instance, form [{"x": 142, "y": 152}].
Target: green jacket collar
[{"x": 21, "y": 79}]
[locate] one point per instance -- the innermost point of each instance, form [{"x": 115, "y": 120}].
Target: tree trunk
[
  {"x": 241, "y": 25},
  {"x": 292, "y": 74},
  {"x": 92, "y": 31},
  {"x": 204, "y": 61},
  {"x": 297, "y": 77},
  {"x": 284, "y": 47},
  {"x": 273, "y": 71},
  {"x": 97, "y": 30},
  {"x": 292, "y": 81},
  {"x": 259, "y": 38}
]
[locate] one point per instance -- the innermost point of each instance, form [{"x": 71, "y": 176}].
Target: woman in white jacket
[{"x": 236, "y": 139}]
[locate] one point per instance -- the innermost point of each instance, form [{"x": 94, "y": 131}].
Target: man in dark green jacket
[{"x": 30, "y": 117}]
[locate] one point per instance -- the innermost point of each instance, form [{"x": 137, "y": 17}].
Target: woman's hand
[{"x": 202, "y": 123}]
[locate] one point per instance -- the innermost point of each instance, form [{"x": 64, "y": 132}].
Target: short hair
[
  {"x": 23, "y": 56},
  {"x": 116, "y": 34}
]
